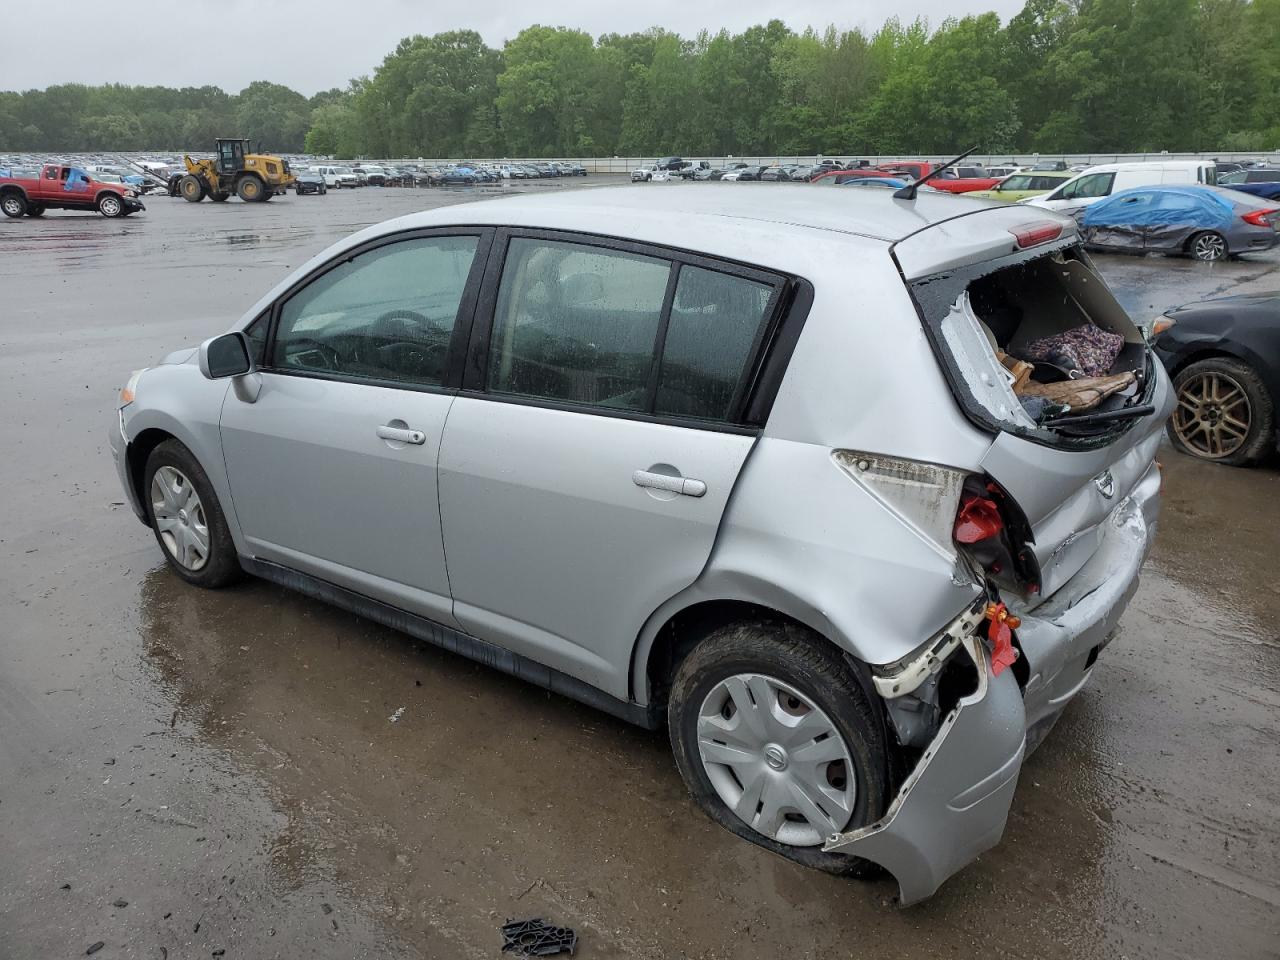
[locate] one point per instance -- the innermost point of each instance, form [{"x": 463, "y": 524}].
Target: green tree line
[{"x": 1060, "y": 76}]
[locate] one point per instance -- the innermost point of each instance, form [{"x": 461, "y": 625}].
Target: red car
[
  {"x": 60, "y": 187},
  {"x": 964, "y": 179}
]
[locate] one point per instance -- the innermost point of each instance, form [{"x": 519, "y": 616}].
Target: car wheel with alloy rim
[
  {"x": 1209, "y": 247},
  {"x": 110, "y": 205},
  {"x": 1223, "y": 413}
]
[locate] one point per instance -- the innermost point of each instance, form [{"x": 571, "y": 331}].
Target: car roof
[{"x": 717, "y": 210}]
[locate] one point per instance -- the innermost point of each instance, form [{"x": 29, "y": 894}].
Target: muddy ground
[{"x": 222, "y": 766}]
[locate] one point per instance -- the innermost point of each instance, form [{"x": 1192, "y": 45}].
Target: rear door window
[
  {"x": 629, "y": 330},
  {"x": 576, "y": 323}
]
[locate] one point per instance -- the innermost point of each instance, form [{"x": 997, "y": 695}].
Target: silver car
[{"x": 745, "y": 466}]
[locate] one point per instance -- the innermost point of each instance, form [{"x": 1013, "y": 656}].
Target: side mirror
[{"x": 226, "y": 356}]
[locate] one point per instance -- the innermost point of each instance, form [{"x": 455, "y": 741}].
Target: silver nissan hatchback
[{"x": 747, "y": 466}]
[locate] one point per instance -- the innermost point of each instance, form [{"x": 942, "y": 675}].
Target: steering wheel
[
  {"x": 331, "y": 359},
  {"x": 382, "y": 327}
]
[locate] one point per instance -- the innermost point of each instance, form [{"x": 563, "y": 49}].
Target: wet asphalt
[{"x": 185, "y": 772}]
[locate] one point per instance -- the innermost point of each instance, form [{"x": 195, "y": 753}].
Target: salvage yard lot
[{"x": 224, "y": 762}]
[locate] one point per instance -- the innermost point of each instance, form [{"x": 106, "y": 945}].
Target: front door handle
[
  {"x": 685, "y": 486},
  {"x": 403, "y": 435}
]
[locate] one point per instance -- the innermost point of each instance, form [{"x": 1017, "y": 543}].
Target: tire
[
  {"x": 13, "y": 204},
  {"x": 110, "y": 206},
  {"x": 179, "y": 541},
  {"x": 1209, "y": 247},
  {"x": 218, "y": 197},
  {"x": 797, "y": 671},
  {"x": 35, "y": 210},
  {"x": 191, "y": 188},
  {"x": 250, "y": 189},
  {"x": 1224, "y": 413}
]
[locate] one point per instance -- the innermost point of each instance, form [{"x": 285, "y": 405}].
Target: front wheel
[
  {"x": 110, "y": 206},
  {"x": 187, "y": 519},
  {"x": 13, "y": 205},
  {"x": 1208, "y": 246},
  {"x": 191, "y": 189},
  {"x": 777, "y": 742},
  {"x": 1224, "y": 413}
]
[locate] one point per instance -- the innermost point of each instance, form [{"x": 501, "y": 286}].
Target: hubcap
[
  {"x": 1210, "y": 248},
  {"x": 1213, "y": 415},
  {"x": 776, "y": 759},
  {"x": 179, "y": 518},
  {"x": 11, "y": 206}
]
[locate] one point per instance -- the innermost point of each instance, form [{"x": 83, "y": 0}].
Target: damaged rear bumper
[{"x": 955, "y": 803}]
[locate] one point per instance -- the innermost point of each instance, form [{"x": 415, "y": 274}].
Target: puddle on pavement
[{"x": 490, "y": 798}]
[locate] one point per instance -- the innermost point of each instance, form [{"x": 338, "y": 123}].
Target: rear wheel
[
  {"x": 110, "y": 205},
  {"x": 777, "y": 742},
  {"x": 35, "y": 210},
  {"x": 1224, "y": 413},
  {"x": 187, "y": 519},
  {"x": 13, "y": 205},
  {"x": 191, "y": 188},
  {"x": 219, "y": 197},
  {"x": 1208, "y": 246},
  {"x": 250, "y": 189}
]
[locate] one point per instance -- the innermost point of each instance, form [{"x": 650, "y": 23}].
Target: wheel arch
[
  {"x": 14, "y": 188},
  {"x": 679, "y": 625},
  {"x": 136, "y": 453},
  {"x": 189, "y": 413},
  {"x": 1219, "y": 350}
]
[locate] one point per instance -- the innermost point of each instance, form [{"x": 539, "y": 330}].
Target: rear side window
[
  {"x": 716, "y": 320},
  {"x": 595, "y": 326},
  {"x": 577, "y": 324}
]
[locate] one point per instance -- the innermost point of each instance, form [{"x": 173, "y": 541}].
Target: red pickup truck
[{"x": 62, "y": 187}]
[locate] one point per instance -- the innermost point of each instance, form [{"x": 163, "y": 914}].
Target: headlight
[
  {"x": 1160, "y": 325},
  {"x": 129, "y": 389}
]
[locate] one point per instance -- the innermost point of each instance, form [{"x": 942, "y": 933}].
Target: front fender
[{"x": 178, "y": 400}]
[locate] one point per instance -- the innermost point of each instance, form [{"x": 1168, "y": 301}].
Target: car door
[
  {"x": 332, "y": 461},
  {"x": 587, "y": 462}
]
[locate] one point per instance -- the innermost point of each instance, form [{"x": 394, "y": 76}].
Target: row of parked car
[{"x": 322, "y": 177}]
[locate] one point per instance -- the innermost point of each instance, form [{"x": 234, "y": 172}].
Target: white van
[
  {"x": 1107, "y": 178},
  {"x": 337, "y": 177}
]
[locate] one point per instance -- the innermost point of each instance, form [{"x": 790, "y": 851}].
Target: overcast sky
[{"x": 313, "y": 45}]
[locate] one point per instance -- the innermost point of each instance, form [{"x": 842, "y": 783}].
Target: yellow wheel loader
[{"x": 253, "y": 177}]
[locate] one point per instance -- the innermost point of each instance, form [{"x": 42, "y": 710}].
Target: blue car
[
  {"x": 1207, "y": 223},
  {"x": 1259, "y": 181},
  {"x": 462, "y": 175},
  {"x": 892, "y": 182}
]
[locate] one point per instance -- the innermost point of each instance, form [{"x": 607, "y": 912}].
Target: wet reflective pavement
[{"x": 224, "y": 762}]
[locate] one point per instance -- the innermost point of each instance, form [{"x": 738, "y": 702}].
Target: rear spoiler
[{"x": 986, "y": 233}]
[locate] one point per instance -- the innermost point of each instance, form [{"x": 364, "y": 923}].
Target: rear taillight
[
  {"x": 978, "y": 519},
  {"x": 1036, "y": 233},
  {"x": 1262, "y": 218}
]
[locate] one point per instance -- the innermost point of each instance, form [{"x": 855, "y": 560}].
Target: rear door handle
[
  {"x": 685, "y": 486},
  {"x": 402, "y": 434}
]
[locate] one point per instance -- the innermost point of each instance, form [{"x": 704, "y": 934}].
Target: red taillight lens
[
  {"x": 1032, "y": 234},
  {"x": 1262, "y": 218},
  {"x": 978, "y": 520}
]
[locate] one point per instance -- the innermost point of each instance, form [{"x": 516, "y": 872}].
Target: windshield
[
  {"x": 1235, "y": 176},
  {"x": 1017, "y": 182}
]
